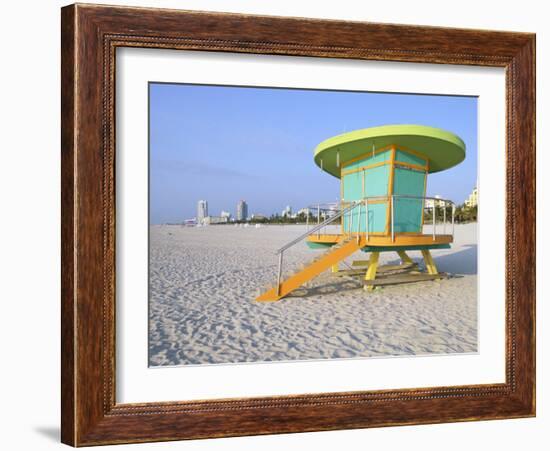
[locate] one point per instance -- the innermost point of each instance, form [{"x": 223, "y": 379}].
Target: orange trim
[
  {"x": 366, "y": 155},
  {"x": 401, "y": 239},
  {"x": 422, "y": 214},
  {"x": 378, "y": 201},
  {"x": 363, "y": 168},
  {"x": 383, "y": 149},
  {"x": 390, "y": 191},
  {"x": 341, "y": 199},
  {"x": 411, "y": 166},
  {"x": 413, "y": 152}
]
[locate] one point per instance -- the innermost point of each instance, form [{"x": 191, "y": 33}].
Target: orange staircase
[{"x": 332, "y": 256}]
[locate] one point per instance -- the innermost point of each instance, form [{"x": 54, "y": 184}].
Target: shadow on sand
[
  {"x": 346, "y": 284},
  {"x": 463, "y": 262}
]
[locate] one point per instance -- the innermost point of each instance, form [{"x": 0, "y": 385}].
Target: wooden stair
[
  {"x": 394, "y": 279},
  {"x": 394, "y": 269},
  {"x": 333, "y": 255}
]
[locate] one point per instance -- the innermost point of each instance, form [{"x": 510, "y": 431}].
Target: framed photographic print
[{"x": 281, "y": 224}]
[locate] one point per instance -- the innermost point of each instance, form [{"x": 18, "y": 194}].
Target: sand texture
[{"x": 203, "y": 282}]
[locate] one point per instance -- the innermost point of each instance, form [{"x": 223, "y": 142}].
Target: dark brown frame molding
[{"x": 90, "y": 35}]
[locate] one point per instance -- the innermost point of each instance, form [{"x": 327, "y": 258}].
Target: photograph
[
  {"x": 290, "y": 224},
  {"x": 272, "y": 221}
]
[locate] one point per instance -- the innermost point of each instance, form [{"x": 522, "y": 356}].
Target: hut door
[{"x": 408, "y": 210}]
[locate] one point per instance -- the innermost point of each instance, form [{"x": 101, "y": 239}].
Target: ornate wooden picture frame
[{"x": 90, "y": 36}]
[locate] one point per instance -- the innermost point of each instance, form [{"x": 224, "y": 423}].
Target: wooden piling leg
[
  {"x": 428, "y": 260},
  {"x": 371, "y": 272},
  {"x": 404, "y": 257}
]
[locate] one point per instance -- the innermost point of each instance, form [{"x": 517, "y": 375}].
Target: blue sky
[{"x": 224, "y": 144}]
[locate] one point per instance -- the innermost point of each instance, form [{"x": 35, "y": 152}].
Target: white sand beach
[{"x": 203, "y": 281}]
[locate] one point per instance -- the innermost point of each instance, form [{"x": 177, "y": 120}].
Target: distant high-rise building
[
  {"x": 242, "y": 211},
  {"x": 226, "y": 215},
  {"x": 202, "y": 211},
  {"x": 287, "y": 212},
  {"x": 472, "y": 199}
]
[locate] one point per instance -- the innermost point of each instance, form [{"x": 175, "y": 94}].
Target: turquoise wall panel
[
  {"x": 376, "y": 184},
  {"x": 377, "y": 181},
  {"x": 405, "y": 157},
  {"x": 404, "y": 248},
  {"x": 353, "y": 186},
  {"x": 407, "y": 215},
  {"x": 377, "y": 217},
  {"x": 409, "y": 182},
  {"x": 378, "y": 158},
  {"x": 357, "y": 219},
  {"x": 408, "y": 212}
]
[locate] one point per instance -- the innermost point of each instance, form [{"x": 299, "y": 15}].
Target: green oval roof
[{"x": 442, "y": 148}]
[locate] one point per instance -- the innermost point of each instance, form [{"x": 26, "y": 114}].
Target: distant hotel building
[
  {"x": 429, "y": 203},
  {"x": 209, "y": 220},
  {"x": 242, "y": 211},
  {"x": 226, "y": 215},
  {"x": 472, "y": 199},
  {"x": 202, "y": 211}
]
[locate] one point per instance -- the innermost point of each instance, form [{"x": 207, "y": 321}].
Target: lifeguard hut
[{"x": 383, "y": 206}]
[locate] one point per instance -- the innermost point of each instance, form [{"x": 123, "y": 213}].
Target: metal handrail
[
  {"x": 354, "y": 204},
  {"x": 351, "y": 206},
  {"x": 391, "y": 198},
  {"x": 318, "y": 227},
  {"x": 305, "y": 235}
]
